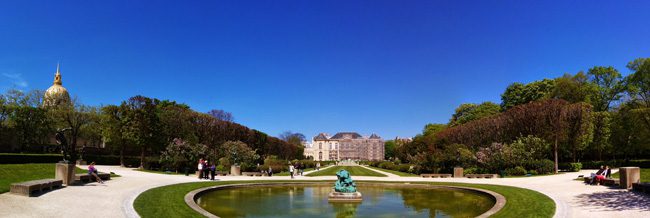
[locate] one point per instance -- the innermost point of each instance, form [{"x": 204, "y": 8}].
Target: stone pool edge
[{"x": 191, "y": 197}]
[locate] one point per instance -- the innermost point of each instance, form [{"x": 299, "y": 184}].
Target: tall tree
[
  {"x": 142, "y": 124},
  {"x": 114, "y": 127},
  {"x": 573, "y": 88},
  {"x": 609, "y": 87}
]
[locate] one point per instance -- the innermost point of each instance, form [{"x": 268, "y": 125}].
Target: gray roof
[
  {"x": 374, "y": 136},
  {"x": 321, "y": 136},
  {"x": 344, "y": 135}
]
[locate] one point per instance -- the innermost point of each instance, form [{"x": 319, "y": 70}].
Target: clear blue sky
[{"x": 387, "y": 67}]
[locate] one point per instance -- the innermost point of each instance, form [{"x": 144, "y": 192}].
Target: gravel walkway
[{"x": 115, "y": 197}]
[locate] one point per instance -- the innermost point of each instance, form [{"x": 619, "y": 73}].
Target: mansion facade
[{"x": 344, "y": 146}]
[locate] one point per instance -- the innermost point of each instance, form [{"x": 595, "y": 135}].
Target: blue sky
[{"x": 386, "y": 67}]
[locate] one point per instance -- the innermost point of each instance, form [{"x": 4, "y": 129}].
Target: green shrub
[
  {"x": 532, "y": 172},
  {"x": 575, "y": 167},
  {"x": 544, "y": 166},
  {"x": 404, "y": 167},
  {"x": 517, "y": 171}
]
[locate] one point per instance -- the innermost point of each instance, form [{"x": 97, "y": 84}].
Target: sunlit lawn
[
  {"x": 14, "y": 173},
  {"x": 354, "y": 171}
]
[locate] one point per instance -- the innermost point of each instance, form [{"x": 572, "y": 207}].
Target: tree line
[
  {"x": 587, "y": 116},
  {"x": 140, "y": 126}
]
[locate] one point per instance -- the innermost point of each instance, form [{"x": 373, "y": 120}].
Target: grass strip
[
  {"x": 399, "y": 173},
  {"x": 168, "y": 201},
  {"x": 354, "y": 170},
  {"x": 15, "y": 173}
]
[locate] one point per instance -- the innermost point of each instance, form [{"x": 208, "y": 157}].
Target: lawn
[
  {"x": 161, "y": 172},
  {"x": 354, "y": 171},
  {"x": 402, "y": 174},
  {"x": 645, "y": 175},
  {"x": 168, "y": 201},
  {"x": 13, "y": 173},
  {"x": 286, "y": 173}
]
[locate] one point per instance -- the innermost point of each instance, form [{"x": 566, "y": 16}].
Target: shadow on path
[{"x": 615, "y": 200}]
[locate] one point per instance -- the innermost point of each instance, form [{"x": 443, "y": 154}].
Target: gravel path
[{"x": 115, "y": 197}]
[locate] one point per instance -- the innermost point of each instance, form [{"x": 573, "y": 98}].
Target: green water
[{"x": 311, "y": 201}]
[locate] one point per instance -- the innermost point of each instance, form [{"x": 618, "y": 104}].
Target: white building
[{"x": 345, "y": 145}]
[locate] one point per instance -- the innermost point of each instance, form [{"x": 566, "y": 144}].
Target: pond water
[{"x": 311, "y": 201}]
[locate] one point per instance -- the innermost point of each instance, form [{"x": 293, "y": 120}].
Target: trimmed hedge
[{"x": 17, "y": 158}]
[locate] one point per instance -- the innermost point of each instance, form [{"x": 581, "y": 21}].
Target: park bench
[
  {"x": 253, "y": 174},
  {"x": 85, "y": 177},
  {"x": 29, "y": 187},
  {"x": 433, "y": 175},
  {"x": 607, "y": 181},
  {"x": 486, "y": 176},
  {"x": 641, "y": 187}
]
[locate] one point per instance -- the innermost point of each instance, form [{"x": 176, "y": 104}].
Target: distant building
[{"x": 346, "y": 145}]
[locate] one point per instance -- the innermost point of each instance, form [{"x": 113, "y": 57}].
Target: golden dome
[{"x": 56, "y": 94}]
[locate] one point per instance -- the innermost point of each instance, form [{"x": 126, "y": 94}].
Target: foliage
[
  {"x": 353, "y": 170},
  {"x": 517, "y": 171},
  {"x": 221, "y": 115},
  {"x": 517, "y": 93},
  {"x": 238, "y": 152},
  {"x": 573, "y": 88},
  {"x": 609, "y": 87},
  {"x": 575, "y": 167},
  {"x": 389, "y": 149},
  {"x": 180, "y": 154},
  {"x": 469, "y": 112},
  {"x": 6, "y": 158}
]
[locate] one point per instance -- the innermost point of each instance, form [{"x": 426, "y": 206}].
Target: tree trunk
[
  {"x": 555, "y": 154},
  {"x": 141, "y": 157},
  {"x": 122, "y": 154}
]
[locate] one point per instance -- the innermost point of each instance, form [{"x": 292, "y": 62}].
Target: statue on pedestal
[
  {"x": 344, "y": 183},
  {"x": 63, "y": 144}
]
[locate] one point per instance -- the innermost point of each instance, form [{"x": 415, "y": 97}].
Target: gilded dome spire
[
  {"x": 57, "y": 76},
  {"x": 56, "y": 95}
]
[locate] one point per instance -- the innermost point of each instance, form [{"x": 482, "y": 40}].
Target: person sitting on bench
[
  {"x": 598, "y": 176},
  {"x": 608, "y": 172},
  {"x": 93, "y": 171}
]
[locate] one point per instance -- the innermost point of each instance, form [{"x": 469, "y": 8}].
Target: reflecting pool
[{"x": 311, "y": 201}]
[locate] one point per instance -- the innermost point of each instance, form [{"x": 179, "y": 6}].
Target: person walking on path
[
  {"x": 200, "y": 168},
  {"x": 291, "y": 169},
  {"x": 317, "y": 165},
  {"x": 93, "y": 171}
]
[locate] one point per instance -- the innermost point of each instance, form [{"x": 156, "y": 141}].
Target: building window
[
  {"x": 320, "y": 145},
  {"x": 320, "y": 155}
]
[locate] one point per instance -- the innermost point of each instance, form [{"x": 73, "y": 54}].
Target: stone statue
[
  {"x": 344, "y": 183},
  {"x": 63, "y": 144}
]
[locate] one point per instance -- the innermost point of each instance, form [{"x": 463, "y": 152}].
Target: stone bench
[
  {"x": 641, "y": 187},
  {"x": 486, "y": 176},
  {"x": 434, "y": 175},
  {"x": 29, "y": 187},
  {"x": 253, "y": 174},
  {"x": 85, "y": 177},
  {"x": 607, "y": 181}
]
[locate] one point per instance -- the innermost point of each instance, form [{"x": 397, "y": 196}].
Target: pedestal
[
  {"x": 628, "y": 176},
  {"x": 458, "y": 172},
  {"x": 235, "y": 170},
  {"x": 65, "y": 172},
  {"x": 344, "y": 197}
]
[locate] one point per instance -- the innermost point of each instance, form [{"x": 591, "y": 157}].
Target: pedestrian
[
  {"x": 200, "y": 168},
  {"x": 213, "y": 168},
  {"x": 291, "y": 168},
  {"x": 270, "y": 171},
  {"x": 317, "y": 165},
  {"x": 206, "y": 170}
]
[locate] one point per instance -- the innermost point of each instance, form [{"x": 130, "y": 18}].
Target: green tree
[
  {"x": 238, "y": 152},
  {"x": 639, "y": 81},
  {"x": 609, "y": 87},
  {"x": 75, "y": 117},
  {"x": 517, "y": 93},
  {"x": 113, "y": 127},
  {"x": 470, "y": 112},
  {"x": 142, "y": 124},
  {"x": 574, "y": 89},
  {"x": 602, "y": 132},
  {"x": 389, "y": 149},
  {"x": 180, "y": 154}
]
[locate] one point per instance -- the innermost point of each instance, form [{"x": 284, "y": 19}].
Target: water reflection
[{"x": 311, "y": 201}]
